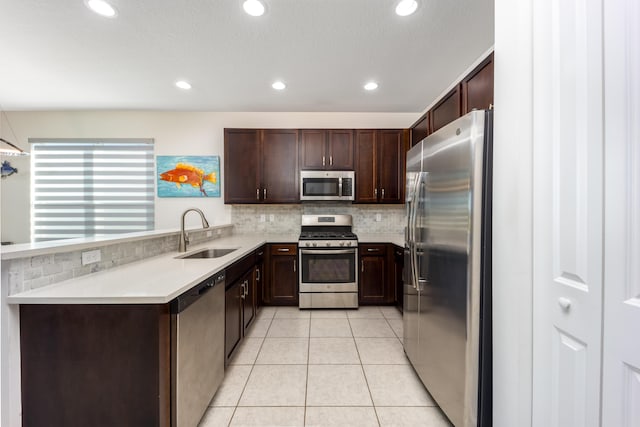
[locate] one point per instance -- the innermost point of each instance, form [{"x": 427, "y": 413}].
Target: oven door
[{"x": 328, "y": 270}]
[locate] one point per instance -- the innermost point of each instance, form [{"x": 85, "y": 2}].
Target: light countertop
[
  {"x": 156, "y": 280},
  {"x": 160, "y": 279}
]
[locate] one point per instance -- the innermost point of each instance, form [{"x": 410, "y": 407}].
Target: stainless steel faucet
[{"x": 184, "y": 239}]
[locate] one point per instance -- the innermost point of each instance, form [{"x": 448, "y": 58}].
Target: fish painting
[
  {"x": 178, "y": 175},
  {"x": 7, "y": 169},
  {"x": 185, "y": 174}
]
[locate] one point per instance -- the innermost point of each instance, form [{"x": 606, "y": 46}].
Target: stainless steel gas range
[{"x": 328, "y": 257}]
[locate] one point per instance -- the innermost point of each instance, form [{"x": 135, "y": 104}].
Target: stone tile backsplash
[
  {"x": 286, "y": 218},
  {"x": 23, "y": 274}
]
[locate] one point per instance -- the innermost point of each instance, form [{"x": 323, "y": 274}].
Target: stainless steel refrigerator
[{"x": 447, "y": 286}]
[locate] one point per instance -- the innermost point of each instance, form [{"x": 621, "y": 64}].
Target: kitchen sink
[{"x": 208, "y": 253}]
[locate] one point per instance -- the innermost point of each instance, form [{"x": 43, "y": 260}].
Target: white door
[
  {"x": 621, "y": 342},
  {"x": 567, "y": 214}
]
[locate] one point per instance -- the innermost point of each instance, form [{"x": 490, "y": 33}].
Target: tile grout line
[
  {"x": 251, "y": 370},
  {"x": 306, "y": 384},
  {"x": 363, "y": 373}
]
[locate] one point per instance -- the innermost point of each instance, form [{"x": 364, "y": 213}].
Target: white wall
[{"x": 175, "y": 133}]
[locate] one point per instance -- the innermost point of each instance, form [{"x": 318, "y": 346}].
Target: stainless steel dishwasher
[{"x": 197, "y": 350}]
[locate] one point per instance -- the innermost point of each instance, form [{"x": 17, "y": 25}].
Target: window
[{"x": 91, "y": 187}]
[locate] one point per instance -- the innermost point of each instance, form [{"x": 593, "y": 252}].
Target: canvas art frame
[{"x": 188, "y": 176}]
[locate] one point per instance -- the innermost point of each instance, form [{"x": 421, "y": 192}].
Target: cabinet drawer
[
  {"x": 238, "y": 268},
  {"x": 283, "y": 249},
  {"x": 372, "y": 249}
]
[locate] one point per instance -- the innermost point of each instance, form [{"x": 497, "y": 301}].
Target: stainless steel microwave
[{"x": 327, "y": 185}]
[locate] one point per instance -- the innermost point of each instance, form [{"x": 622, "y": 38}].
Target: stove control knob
[
  {"x": 328, "y": 244},
  {"x": 307, "y": 244},
  {"x": 341, "y": 243},
  {"x": 347, "y": 243},
  {"x": 315, "y": 244}
]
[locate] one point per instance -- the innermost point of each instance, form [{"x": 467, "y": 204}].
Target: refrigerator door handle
[{"x": 413, "y": 248}]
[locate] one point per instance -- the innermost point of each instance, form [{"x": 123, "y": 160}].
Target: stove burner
[{"x": 327, "y": 235}]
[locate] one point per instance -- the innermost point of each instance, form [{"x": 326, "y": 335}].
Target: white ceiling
[{"x": 58, "y": 55}]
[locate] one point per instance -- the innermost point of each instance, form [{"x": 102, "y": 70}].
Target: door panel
[
  {"x": 567, "y": 216},
  {"x": 241, "y": 166},
  {"x": 341, "y": 149},
  {"x": 390, "y": 171},
  {"x": 312, "y": 148},
  {"x": 366, "y": 169},
  {"x": 280, "y": 180},
  {"x": 621, "y": 346}
]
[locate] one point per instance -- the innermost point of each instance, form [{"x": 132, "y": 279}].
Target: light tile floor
[{"x": 323, "y": 368}]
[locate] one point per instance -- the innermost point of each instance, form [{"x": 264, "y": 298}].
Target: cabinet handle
[
  {"x": 283, "y": 249},
  {"x": 362, "y": 265},
  {"x": 260, "y": 253},
  {"x": 322, "y": 160},
  {"x": 373, "y": 249},
  {"x": 257, "y": 194},
  {"x": 243, "y": 289},
  {"x": 382, "y": 194},
  {"x": 490, "y": 106},
  {"x": 375, "y": 193},
  {"x": 246, "y": 288},
  {"x": 264, "y": 194},
  {"x": 330, "y": 160},
  {"x": 257, "y": 274},
  {"x": 294, "y": 265}
]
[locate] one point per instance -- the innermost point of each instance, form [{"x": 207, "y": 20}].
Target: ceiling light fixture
[
  {"x": 102, "y": 8},
  {"x": 371, "y": 86},
  {"x": 183, "y": 85},
  {"x": 278, "y": 85},
  {"x": 406, "y": 7},
  {"x": 253, "y": 7}
]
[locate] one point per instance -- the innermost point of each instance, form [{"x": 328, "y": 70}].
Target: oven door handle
[{"x": 328, "y": 251}]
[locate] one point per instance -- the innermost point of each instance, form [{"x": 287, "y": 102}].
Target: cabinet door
[
  {"x": 340, "y": 143},
  {"x": 260, "y": 276},
  {"x": 420, "y": 129},
  {"x": 447, "y": 110},
  {"x": 248, "y": 300},
  {"x": 398, "y": 265},
  {"x": 390, "y": 166},
  {"x": 313, "y": 143},
  {"x": 282, "y": 287},
  {"x": 280, "y": 166},
  {"x": 366, "y": 167},
  {"x": 373, "y": 287},
  {"x": 241, "y": 166},
  {"x": 233, "y": 318},
  {"x": 477, "y": 87}
]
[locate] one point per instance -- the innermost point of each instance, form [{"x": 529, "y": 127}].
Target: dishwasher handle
[{"x": 183, "y": 301}]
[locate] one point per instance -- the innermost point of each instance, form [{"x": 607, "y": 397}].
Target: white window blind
[{"x": 83, "y": 188}]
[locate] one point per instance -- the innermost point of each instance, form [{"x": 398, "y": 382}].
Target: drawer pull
[
  {"x": 373, "y": 250},
  {"x": 283, "y": 249}
]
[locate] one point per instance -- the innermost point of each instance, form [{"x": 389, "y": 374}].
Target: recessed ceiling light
[
  {"x": 406, "y": 7},
  {"x": 278, "y": 85},
  {"x": 253, "y": 7},
  {"x": 183, "y": 85},
  {"x": 102, "y": 8},
  {"x": 371, "y": 86}
]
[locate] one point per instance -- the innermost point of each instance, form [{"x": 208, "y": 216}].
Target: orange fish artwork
[{"x": 186, "y": 174}]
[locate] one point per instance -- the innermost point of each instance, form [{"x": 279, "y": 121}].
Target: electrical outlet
[
  {"x": 378, "y": 217},
  {"x": 263, "y": 217},
  {"x": 272, "y": 218},
  {"x": 90, "y": 257}
]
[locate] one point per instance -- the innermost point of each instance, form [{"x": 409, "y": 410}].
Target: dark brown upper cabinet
[
  {"x": 261, "y": 166},
  {"x": 379, "y": 166},
  {"x": 420, "y": 129},
  {"x": 447, "y": 109},
  {"x": 328, "y": 149},
  {"x": 477, "y": 87}
]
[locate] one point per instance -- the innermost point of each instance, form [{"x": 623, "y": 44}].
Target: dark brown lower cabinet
[
  {"x": 281, "y": 287},
  {"x": 375, "y": 281},
  {"x": 95, "y": 365},
  {"x": 398, "y": 265},
  {"x": 241, "y": 302}
]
